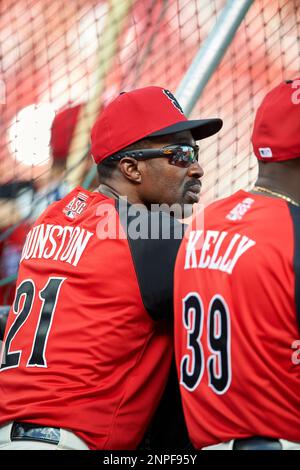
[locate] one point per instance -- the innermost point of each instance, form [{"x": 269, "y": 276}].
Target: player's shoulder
[
  {"x": 73, "y": 208},
  {"x": 228, "y": 208},
  {"x": 244, "y": 209},
  {"x": 228, "y": 201}
]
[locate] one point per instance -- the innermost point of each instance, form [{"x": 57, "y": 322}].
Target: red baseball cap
[
  {"x": 62, "y": 130},
  {"x": 145, "y": 112},
  {"x": 276, "y": 131}
]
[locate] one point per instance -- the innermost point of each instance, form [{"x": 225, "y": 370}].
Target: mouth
[{"x": 193, "y": 193}]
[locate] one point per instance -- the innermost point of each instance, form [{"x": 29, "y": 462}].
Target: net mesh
[{"x": 57, "y": 54}]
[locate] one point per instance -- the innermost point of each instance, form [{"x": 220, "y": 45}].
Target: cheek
[
  {"x": 168, "y": 183},
  {"x": 173, "y": 192},
  {"x": 176, "y": 183}
]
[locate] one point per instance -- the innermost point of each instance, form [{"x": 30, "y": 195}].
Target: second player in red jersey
[
  {"x": 237, "y": 376},
  {"x": 237, "y": 299}
]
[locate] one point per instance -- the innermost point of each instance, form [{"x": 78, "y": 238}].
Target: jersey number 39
[{"x": 192, "y": 365}]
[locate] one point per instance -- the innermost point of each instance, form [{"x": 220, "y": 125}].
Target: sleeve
[
  {"x": 154, "y": 239},
  {"x": 295, "y": 214}
]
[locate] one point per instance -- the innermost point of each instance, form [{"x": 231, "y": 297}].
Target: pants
[{"x": 68, "y": 441}]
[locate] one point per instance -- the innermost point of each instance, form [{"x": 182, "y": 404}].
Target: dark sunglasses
[{"x": 180, "y": 155}]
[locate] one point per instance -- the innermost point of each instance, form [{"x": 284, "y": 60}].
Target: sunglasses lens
[
  {"x": 184, "y": 155},
  {"x": 180, "y": 155}
]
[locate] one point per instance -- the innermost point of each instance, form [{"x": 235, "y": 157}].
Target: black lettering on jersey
[
  {"x": 26, "y": 293},
  {"x": 192, "y": 364},
  {"x": 219, "y": 363},
  {"x": 24, "y": 296}
]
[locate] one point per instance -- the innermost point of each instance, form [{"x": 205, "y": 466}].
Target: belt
[
  {"x": 34, "y": 432},
  {"x": 256, "y": 443}
]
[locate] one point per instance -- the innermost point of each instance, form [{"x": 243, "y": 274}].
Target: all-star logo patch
[
  {"x": 238, "y": 212},
  {"x": 173, "y": 100},
  {"x": 76, "y": 206}
]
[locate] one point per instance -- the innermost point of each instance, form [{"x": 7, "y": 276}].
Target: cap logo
[
  {"x": 265, "y": 152},
  {"x": 173, "y": 100}
]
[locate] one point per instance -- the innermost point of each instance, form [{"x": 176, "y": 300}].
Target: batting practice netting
[{"x": 57, "y": 55}]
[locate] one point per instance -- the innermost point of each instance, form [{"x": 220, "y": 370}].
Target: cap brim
[{"x": 200, "y": 128}]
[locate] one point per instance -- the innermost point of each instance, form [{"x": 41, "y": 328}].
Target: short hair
[{"x": 106, "y": 168}]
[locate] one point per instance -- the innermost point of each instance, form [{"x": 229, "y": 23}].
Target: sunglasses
[{"x": 179, "y": 155}]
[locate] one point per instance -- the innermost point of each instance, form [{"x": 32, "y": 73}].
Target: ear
[{"x": 129, "y": 167}]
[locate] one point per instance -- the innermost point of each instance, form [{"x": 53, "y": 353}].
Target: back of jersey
[
  {"x": 78, "y": 338},
  {"x": 236, "y": 321}
]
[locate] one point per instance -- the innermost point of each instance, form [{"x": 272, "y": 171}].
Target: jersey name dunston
[{"x": 56, "y": 242}]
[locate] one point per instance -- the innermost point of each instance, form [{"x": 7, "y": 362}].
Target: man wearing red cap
[
  {"x": 237, "y": 299},
  {"x": 90, "y": 330}
]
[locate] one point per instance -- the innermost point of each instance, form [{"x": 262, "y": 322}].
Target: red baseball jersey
[
  {"x": 237, "y": 301},
  {"x": 88, "y": 340}
]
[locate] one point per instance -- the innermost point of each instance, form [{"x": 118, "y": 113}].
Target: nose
[{"x": 195, "y": 170}]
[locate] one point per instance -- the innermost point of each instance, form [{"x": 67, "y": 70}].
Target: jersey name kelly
[
  {"x": 204, "y": 250},
  {"x": 56, "y": 242}
]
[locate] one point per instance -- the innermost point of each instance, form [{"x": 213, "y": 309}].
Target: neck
[
  {"x": 281, "y": 177},
  {"x": 277, "y": 185},
  {"x": 108, "y": 191},
  {"x": 116, "y": 193}
]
